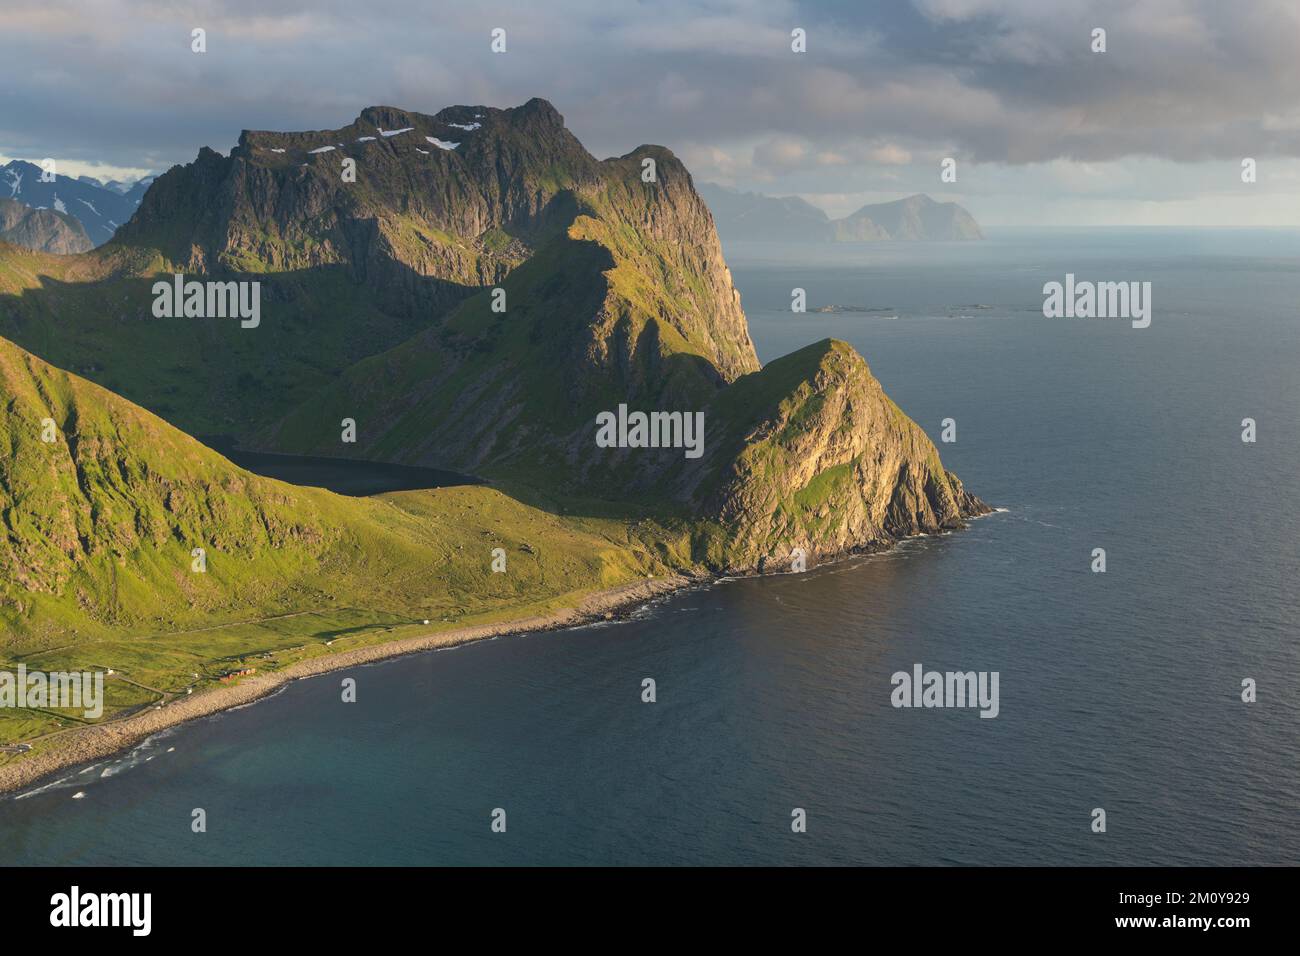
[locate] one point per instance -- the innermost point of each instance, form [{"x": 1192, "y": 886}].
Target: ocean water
[{"x": 1118, "y": 690}]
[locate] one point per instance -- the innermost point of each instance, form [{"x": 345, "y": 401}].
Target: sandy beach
[{"x": 85, "y": 744}]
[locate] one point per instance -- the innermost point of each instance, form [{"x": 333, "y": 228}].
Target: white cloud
[{"x": 74, "y": 168}]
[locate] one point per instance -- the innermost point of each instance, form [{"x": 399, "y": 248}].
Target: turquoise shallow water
[{"x": 1117, "y": 690}]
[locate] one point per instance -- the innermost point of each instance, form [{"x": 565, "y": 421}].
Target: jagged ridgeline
[{"x": 475, "y": 298}]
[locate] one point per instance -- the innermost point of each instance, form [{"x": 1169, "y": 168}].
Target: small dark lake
[{"x": 344, "y": 476}]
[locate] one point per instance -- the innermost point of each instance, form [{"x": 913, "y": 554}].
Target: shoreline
[{"x": 85, "y": 745}]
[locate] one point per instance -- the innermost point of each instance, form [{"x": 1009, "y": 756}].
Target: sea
[{"x": 1163, "y": 692}]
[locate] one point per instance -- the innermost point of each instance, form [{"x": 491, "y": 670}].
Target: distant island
[{"x": 753, "y": 216}]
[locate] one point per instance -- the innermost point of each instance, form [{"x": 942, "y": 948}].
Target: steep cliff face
[
  {"x": 353, "y": 268},
  {"x": 631, "y": 301},
  {"x": 43, "y": 230},
  {"x": 810, "y": 453},
  {"x": 668, "y": 264},
  {"x": 442, "y": 206},
  {"x": 438, "y": 205}
]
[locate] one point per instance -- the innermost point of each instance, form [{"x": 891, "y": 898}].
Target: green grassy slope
[
  {"x": 92, "y": 314},
  {"x": 99, "y": 525}
]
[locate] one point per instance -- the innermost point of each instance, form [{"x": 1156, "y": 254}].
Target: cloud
[
  {"x": 882, "y": 88},
  {"x": 780, "y": 154},
  {"x": 889, "y": 155}
]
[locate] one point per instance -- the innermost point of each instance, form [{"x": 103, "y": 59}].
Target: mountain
[
  {"x": 134, "y": 192},
  {"x": 752, "y": 216},
  {"x": 135, "y": 189},
  {"x": 755, "y": 216},
  {"x": 100, "y": 210},
  {"x": 347, "y": 269},
  {"x": 476, "y": 300},
  {"x": 101, "y": 520},
  {"x": 916, "y": 218},
  {"x": 41, "y": 229}
]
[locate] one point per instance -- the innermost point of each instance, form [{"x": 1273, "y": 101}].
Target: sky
[{"x": 1044, "y": 130}]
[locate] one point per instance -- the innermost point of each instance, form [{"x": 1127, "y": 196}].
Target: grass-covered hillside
[{"x": 96, "y": 566}]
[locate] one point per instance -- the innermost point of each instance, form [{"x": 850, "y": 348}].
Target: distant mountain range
[
  {"x": 135, "y": 187},
  {"x": 754, "y": 216},
  {"x": 100, "y": 208}
]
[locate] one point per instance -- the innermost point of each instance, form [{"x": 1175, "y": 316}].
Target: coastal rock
[{"x": 812, "y": 455}]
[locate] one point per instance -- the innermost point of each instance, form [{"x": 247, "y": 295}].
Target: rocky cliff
[{"x": 810, "y": 453}]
